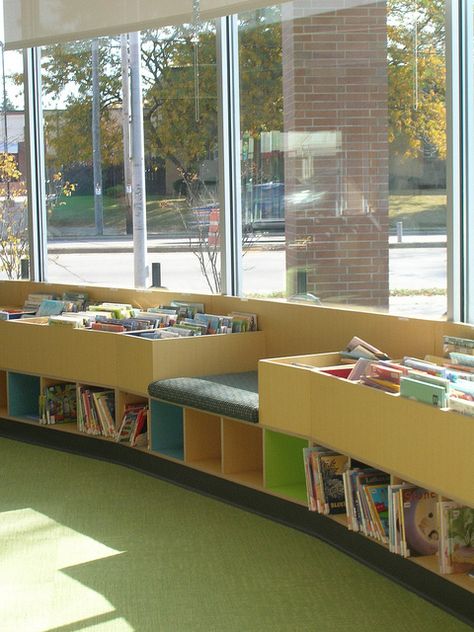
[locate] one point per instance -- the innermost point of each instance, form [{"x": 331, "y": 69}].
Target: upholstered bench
[{"x": 229, "y": 395}]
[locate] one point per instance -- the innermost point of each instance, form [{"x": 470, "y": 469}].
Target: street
[{"x": 263, "y": 273}]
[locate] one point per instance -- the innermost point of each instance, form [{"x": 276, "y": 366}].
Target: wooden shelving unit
[
  {"x": 414, "y": 442},
  {"x": 299, "y": 404}
]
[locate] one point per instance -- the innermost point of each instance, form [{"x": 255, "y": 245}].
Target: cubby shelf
[
  {"x": 283, "y": 465},
  {"x": 299, "y": 405},
  {"x": 166, "y": 431},
  {"x": 23, "y": 396}
]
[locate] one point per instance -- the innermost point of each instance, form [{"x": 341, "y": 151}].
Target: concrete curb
[{"x": 88, "y": 248}]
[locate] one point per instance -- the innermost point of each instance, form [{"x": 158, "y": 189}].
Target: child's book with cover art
[
  {"x": 51, "y": 307},
  {"x": 357, "y": 478},
  {"x": 377, "y": 496},
  {"x": 309, "y": 479},
  {"x": 332, "y": 467},
  {"x": 460, "y": 538},
  {"x": 420, "y": 526},
  {"x": 423, "y": 392}
]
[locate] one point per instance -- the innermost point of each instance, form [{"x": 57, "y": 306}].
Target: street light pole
[
  {"x": 96, "y": 152},
  {"x": 138, "y": 166}
]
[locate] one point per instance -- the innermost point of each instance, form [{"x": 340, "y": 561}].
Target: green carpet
[{"x": 87, "y": 545}]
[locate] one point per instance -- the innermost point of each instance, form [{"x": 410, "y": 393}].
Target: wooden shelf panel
[
  {"x": 213, "y": 466},
  {"x": 295, "y": 492},
  {"x": 249, "y": 478},
  {"x": 417, "y": 442},
  {"x": 202, "y": 437},
  {"x": 242, "y": 449},
  {"x": 431, "y": 563}
]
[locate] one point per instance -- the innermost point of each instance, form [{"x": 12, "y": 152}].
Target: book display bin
[{"x": 258, "y": 466}]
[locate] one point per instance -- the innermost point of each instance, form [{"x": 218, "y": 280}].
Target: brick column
[{"x": 336, "y": 152}]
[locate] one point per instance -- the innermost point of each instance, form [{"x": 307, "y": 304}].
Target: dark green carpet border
[{"x": 431, "y": 587}]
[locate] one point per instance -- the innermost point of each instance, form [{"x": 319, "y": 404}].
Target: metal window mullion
[
  {"x": 466, "y": 18},
  {"x": 229, "y": 155},
  {"x": 35, "y": 159}
]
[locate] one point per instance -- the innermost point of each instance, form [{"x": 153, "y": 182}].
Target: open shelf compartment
[
  {"x": 242, "y": 452},
  {"x": 23, "y": 396},
  {"x": 202, "y": 440},
  {"x": 166, "y": 429},
  {"x": 3, "y": 394},
  {"x": 284, "y": 466}
]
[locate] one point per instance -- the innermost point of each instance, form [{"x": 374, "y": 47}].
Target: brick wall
[{"x": 336, "y": 152}]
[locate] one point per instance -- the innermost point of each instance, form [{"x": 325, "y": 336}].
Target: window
[
  {"x": 89, "y": 171},
  {"x": 13, "y": 173},
  {"x": 343, "y": 154}
]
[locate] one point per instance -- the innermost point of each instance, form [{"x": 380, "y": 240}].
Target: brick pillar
[{"x": 336, "y": 153}]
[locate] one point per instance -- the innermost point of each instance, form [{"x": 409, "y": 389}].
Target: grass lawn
[
  {"x": 78, "y": 211},
  {"x": 426, "y": 210}
]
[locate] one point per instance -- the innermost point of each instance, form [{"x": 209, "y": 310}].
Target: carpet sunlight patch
[{"x": 33, "y": 578}]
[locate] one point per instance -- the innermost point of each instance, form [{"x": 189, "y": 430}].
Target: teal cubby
[
  {"x": 284, "y": 466},
  {"x": 166, "y": 429},
  {"x": 23, "y": 395}
]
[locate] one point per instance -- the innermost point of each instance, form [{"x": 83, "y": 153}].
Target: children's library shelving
[{"x": 300, "y": 405}]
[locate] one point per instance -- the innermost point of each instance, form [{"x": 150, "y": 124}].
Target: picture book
[
  {"x": 456, "y": 344},
  {"x": 133, "y": 426},
  {"x": 377, "y": 496},
  {"x": 461, "y": 405},
  {"x": 68, "y": 320},
  {"x": 356, "y": 478},
  {"x": 422, "y": 376},
  {"x": 393, "y": 519},
  {"x": 138, "y": 436},
  {"x": 127, "y": 425},
  {"x": 420, "y": 528},
  {"x": 245, "y": 321},
  {"x": 424, "y": 365},
  {"x": 57, "y": 404},
  {"x": 104, "y": 326},
  {"x": 359, "y": 368},
  {"x": 460, "y": 538},
  {"x": 311, "y": 499},
  {"x": 51, "y": 307},
  {"x": 104, "y": 402},
  {"x": 187, "y": 310},
  {"x": 464, "y": 359},
  {"x": 423, "y": 392},
  {"x": 359, "y": 348},
  {"x": 332, "y": 467},
  {"x": 76, "y": 301},
  {"x": 33, "y": 301},
  {"x": 12, "y": 313},
  {"x": 315, "y": 464},
  {"x": 444, "y": 559}
]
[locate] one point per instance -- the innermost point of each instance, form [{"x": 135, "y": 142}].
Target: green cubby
[
  {"x": 166, "y": 429},
  {"x": 23, "y": 396},
  {"x": 283, "y": 465}
]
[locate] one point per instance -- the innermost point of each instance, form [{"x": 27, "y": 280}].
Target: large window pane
[
  {"x": 343, "y": 153},
  {"x": 13, "y": 184},
  {"x": 89, "y": 166}
]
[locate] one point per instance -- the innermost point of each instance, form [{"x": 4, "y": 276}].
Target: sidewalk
[{"x": 170, "y": 243}]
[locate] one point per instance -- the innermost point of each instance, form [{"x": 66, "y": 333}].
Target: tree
[
  {"x": 416, "y": 77},
  {"x": 13, "y": 218}
]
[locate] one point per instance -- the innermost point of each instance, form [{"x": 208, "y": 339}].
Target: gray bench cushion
[{"x": 230, "y": 395}]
